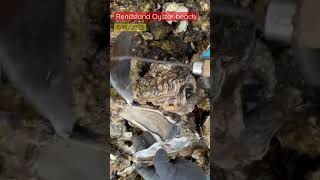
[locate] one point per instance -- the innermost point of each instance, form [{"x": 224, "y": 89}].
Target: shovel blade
[{"x": 120, "y": 67}]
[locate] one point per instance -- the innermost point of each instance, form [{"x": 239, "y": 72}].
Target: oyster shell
[
  {"x": 161, "y": 127},
  {"x": 177, "y": 7},
  {"x": 172, "y": 88},
  {"x": 171, "y": 147}
]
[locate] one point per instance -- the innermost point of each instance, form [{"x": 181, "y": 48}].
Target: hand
[{"x": 166, "y": 170}]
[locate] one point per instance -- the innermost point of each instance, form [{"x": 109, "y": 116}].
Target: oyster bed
[{"x": 176, "y": 100}]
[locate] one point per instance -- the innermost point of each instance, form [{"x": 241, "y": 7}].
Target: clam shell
[{"x": 153, "y": 121}]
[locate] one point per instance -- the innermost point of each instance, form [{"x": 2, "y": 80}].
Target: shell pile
[{"x": 169, "y": 102}]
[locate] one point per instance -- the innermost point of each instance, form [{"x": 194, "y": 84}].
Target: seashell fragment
[
  {"x": 177, "y": 7},
  {"x": 153, "y": 121},
  {"x": 171, "y": 147}
]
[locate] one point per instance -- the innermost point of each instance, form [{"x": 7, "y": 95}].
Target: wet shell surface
[
  {"x": 174, "y": 89},
  {"x": 171, "y": 147},
  {"x": 161, "y": 127}
]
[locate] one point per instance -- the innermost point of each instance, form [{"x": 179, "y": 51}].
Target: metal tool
[
  {"x": 120, "y": 67},
  {"x": 32, "y": 55},
  {"x": 202, "y": 66}
]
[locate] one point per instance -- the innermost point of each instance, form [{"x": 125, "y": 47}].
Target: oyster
[
  {"x": 172, "y": 88},
  {"x": 177, "y": 7},
  {"x": 161, "y": 127},
  {"x": 171, "y": 147}
]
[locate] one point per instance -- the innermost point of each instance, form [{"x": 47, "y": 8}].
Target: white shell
[
  {"x": 176, "y": 7},
  {"x": 153, "y": 121}
]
